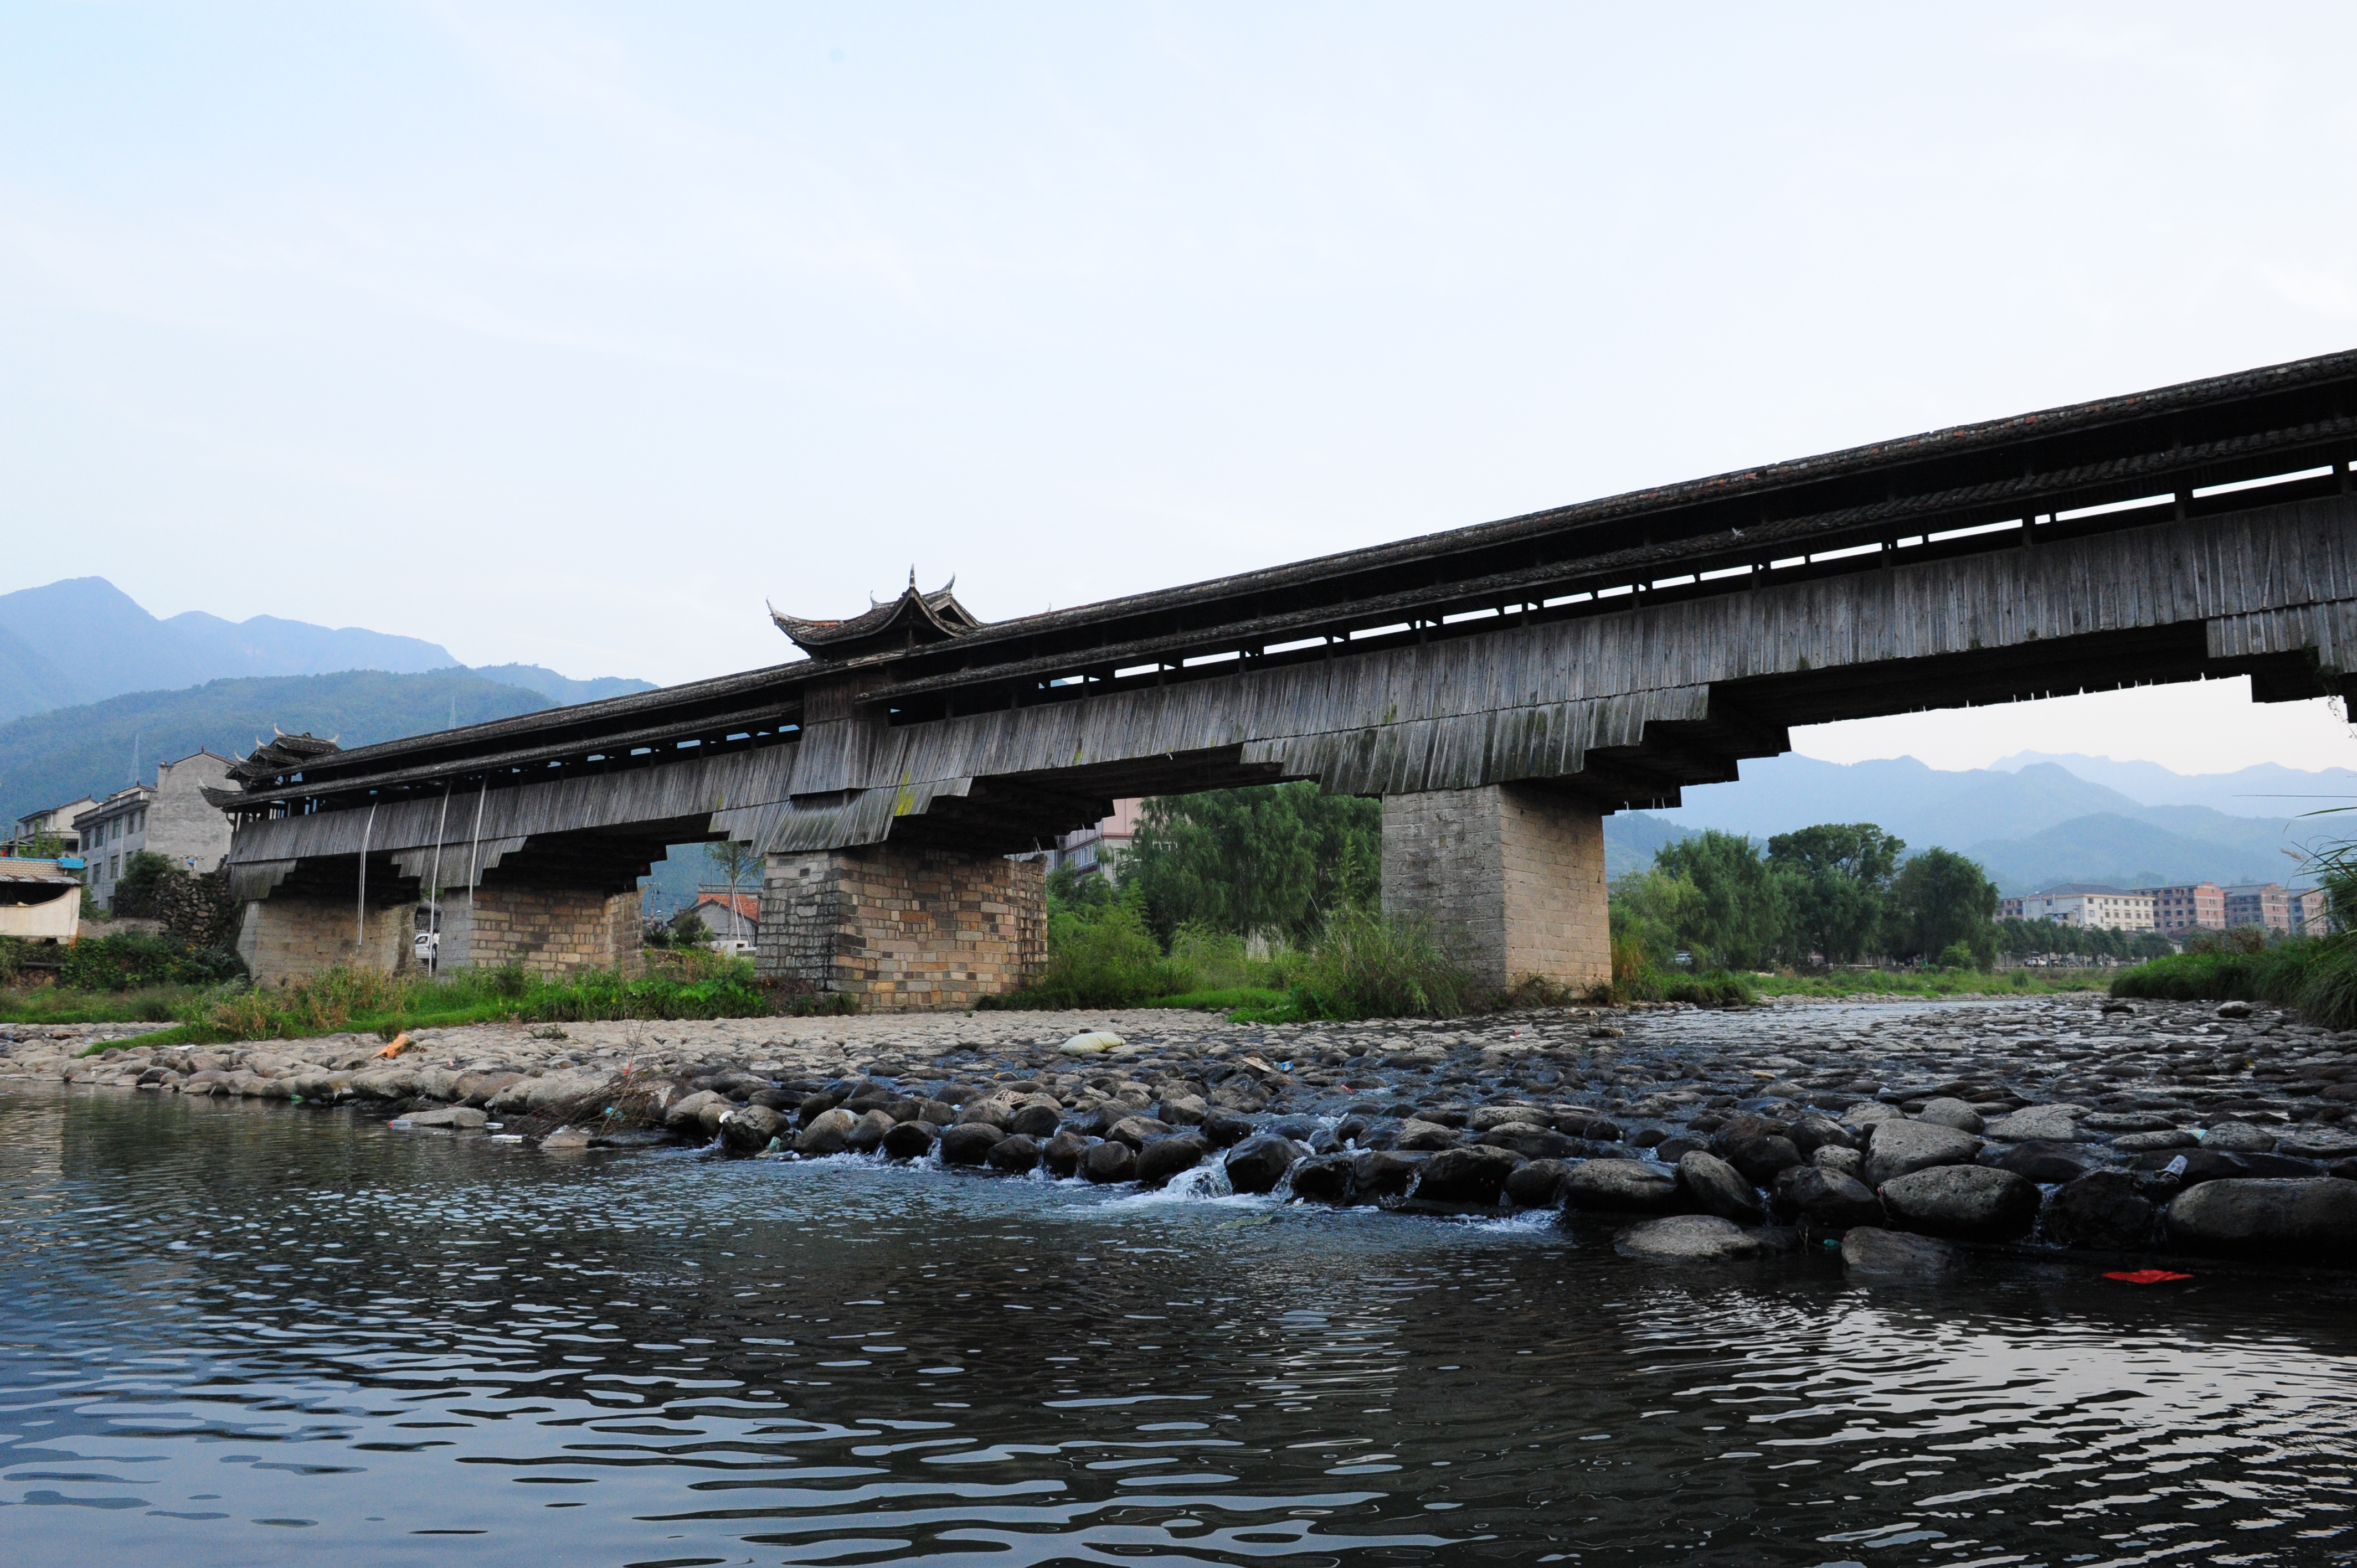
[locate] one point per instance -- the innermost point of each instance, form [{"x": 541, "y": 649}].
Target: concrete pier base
[
  {"x": 903, "y": 928},
  {"x": 1511, "y": 877}
]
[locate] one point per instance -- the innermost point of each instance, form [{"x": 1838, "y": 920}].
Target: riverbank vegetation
[{"x": 2317, "y": 976}]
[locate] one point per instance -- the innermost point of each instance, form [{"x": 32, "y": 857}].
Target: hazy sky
[{"x": 570, "y": 333}]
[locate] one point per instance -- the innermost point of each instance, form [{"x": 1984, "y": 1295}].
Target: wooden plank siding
[{"x": 1517, "y": 702}]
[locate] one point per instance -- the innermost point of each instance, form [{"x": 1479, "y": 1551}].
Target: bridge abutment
[
  {"x": 293, "y": 935},
  {"x": 1511, "y": 876},
  {"x": 903, "y": 928}
]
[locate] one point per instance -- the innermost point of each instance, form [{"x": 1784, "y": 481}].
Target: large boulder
[
  {"x": 1063, "y": 1153},
  {"x": 1476, "y": 1174},
  {"x": 1536, "y": 1184},
  {"x": 1755, "y": 1146},
  {"x": 1531, "y": 1143},
  {"x": 829, "y": 1134},
  {"x": 2308, "y": 1220},
  {"x": 993, "y": 1112},
  {"x": 458, "y": 1118},
  {"x": 2044, "y": 1164},
  {"x": 1035, "y": 1120},
  {"x": 1586, "y": 1126},
  {"x": 1894, "y": 1254},
  {"x": 1014, "y": 1153},
  {"x": 1687, "y": 1239},
  {"x": 1183, "y": 1110},
  {"x": 1867, "y": 1112},
  {"x": 1826, "y": 1200},
  {"x": 909, "y": 1141},
  {"x": 1975, "y": 1201},
  {"x": 1138, "y": 1131},
  {"x": 1950, "y": 1113},
  {"x": 1258, "y": 1165},
  {"x": 2039, "y": 1123},
  {"x": 1166, "y": 1158},
  {"x": 967, "y": 1144},
  {"x": 1322, "y": 1178},
  {"x": 1902, "y": 1148},
  {"x": 1811, "y": 1133},
  {"x": 1714, "y": 1187},
  {"x": 1620, "y": 1187},
  {"x": 2106, "y": 1210},
  {"x": 2238, "y": 1138},
  {"x": 1850, "y": 1163},
  {"x": 1110, "y": 1161},
  {"x": 866, "y": 1135},
  {"x": 1385, "y": 1173},
  {"x": 1428, "y": 1136},
  {"x": 751, "y": 1127},
  {"x": 1222, "y": 1128}
]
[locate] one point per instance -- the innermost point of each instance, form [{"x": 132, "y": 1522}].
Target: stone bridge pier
[{"x": 903, "y": 927}]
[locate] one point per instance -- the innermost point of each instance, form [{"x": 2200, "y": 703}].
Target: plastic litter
[
  {"x": 1094, "y": 1043},
  {"x": 400, "y": 1044},
  {"x": 2146, "y": 1276}
]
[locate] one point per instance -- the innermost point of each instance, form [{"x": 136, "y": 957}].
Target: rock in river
[
  {"x": 908, "y": 1141},
  {"x": 1109, "y": 1162},
  {"x": 1956, "y": 1113},
  {"x": 1258, "y": 1165},
  {"x": 2298, "y": 1221},
  {"x": 456, "y": 1117},
  {"x": 2103, "y": 1209},
  {"x": 1065, "y": 1151},
  {"x": 967, "y": 1144},
  {"x": 1827, "y": 1199},
  {"x": 1014, "y": 1153},
  {"x": 1166, "y": 1158},
  {"x": 1537, "y": 1185},
  {"x": 2040, "y": 1163},
  {"x": 1473, "y": 1174},
  {"x": 1976, "y": 1201},
  {"x": 1687, "y": 1239},
  {"x": 1384, "y": 1173},
  {"x": 1902, "y": 1148},
  {"x": 1895, "y": 1255},
  {"x": 829, "y": 1133},
  {"x": 1626, "y": 1187},
  {"x": 751, "y": 1127},
  {"x": 2044, "y": 1123},
  {"x": 1716, "y": 1187},
  {"x": 1323, "y": 1179}
]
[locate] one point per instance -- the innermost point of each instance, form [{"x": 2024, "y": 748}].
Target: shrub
[
  {"x": 2317, "y": 976},
  {"x": 1105, "y": 958},
  {"x": 134, "y": 958},
  {"x": 1365, "y": 965}
]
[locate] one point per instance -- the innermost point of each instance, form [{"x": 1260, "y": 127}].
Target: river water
[{"x": 247, "y": 1332}]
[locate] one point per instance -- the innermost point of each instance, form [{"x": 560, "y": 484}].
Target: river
[{"x": 243, "y": 1333}]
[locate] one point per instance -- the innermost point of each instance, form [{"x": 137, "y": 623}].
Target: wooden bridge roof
[{"x": 2088, "y": 467}]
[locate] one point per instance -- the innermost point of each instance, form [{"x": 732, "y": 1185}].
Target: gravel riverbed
[{"x": 1906, "y": 1133}]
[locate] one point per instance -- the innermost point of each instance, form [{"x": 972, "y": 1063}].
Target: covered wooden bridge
[{"x": 1500, "y": 687}]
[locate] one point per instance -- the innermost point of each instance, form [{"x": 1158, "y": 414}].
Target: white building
[
  {"x": 169, "y": 817},
  {"x": 2089, "y": 905}
]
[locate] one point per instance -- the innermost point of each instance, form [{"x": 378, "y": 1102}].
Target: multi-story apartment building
[
  {"x": 2311, "y": 911},
  {"x": 2087, "y": 905},
  {"x": 2188, "y": 907},
  {"x": 49, "y": 831},
  {"x": 169, "y": 817},
  {"x": 2267, "y": 903}
]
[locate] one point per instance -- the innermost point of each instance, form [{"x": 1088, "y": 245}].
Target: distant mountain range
[
  {"x": 83, "y": 640},
  {"x": 47, "y": 759},
  {"x": 2032, "y": 822}
]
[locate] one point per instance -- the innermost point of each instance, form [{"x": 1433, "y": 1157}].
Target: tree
[
  {"x": 1938, "y": 900},
  {"x": 735, "y": 860},
  {"x": 1274, "y": 859},
  {"x": 1835, "y": 878},
  {"x": 144, "y": 872},
  {"x": 1737, "y": 915},
  {"x": 1649, "y": 909}
]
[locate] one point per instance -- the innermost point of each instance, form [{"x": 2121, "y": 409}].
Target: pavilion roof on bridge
[{"x": 912, "y": 621}]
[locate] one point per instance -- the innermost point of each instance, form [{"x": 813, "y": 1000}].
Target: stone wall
[
  {"x": 1511, "y": 876},
  {"x": 548, "y": 931},
  {"x": 903, "y": 928},
  {"x": 291, "y": 934}
]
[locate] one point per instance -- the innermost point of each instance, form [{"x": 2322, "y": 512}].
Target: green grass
[
  {"x": 338, "y": 1001},
  {"x": 1932, "y": 983},
  {"x": 2316, "y": 976},
  {"x": 61, "y": 1004}
]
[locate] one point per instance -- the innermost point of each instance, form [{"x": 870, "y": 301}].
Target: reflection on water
[{"x": 244, "y": 1333}]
